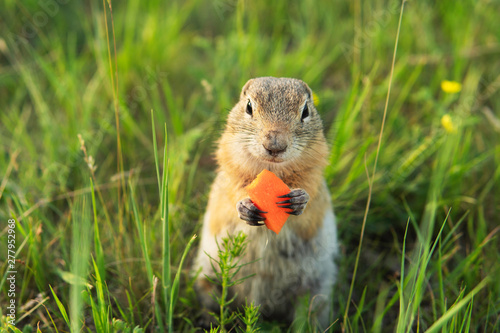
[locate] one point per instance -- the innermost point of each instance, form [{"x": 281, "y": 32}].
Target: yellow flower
[
  {"x": 447, "y": 123},
  {"x": 315, "y": 99},
  {"x": 451, "y": 87}
]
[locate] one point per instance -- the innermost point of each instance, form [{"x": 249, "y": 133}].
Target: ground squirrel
[{"x": 274, "y": 126}]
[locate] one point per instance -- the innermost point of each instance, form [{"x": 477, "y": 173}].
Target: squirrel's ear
[
  {"x": 309, "y": 91},
  {"x": 245, "y": 88}
]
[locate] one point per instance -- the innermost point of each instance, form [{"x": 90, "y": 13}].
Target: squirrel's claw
[
  {"x": 248, "y": 212},
  {"x": 297, "y": 201}
]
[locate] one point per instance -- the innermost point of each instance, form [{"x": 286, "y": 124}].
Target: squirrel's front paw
[
  {"x": 297, "y": 201},
  {"x": 249, "y": 212}
]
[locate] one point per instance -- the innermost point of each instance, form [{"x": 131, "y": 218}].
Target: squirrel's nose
[
  {"x": 275, "y": 143},
  {"x": 274, "y": 152}
]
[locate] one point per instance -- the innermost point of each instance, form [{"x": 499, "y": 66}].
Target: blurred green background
[{"x": 70, "y": 68}]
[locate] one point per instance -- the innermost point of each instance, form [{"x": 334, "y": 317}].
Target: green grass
[{"x": 106, "y": 246}]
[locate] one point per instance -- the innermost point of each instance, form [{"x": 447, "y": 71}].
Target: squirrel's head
[{"x": 275, "y": 121}]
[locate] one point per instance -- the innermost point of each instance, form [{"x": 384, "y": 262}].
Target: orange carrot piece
[{"x": 264, "y": 192}]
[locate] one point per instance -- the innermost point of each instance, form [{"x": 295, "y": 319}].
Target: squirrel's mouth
[
  {"x": 273, "y": 159},
  {"x": 276, "y": 160}
]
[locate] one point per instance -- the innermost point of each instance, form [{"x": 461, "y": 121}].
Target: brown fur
[
  {"x": 235, "y": 173},
  {"x": 277, "y": 106}
]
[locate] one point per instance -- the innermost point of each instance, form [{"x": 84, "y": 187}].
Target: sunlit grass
[{"x": 115, "y": 243}]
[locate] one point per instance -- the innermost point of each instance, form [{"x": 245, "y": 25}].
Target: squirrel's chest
[
  {"x": 286, "y": 262},
  {"x": 275, "y": 256}
]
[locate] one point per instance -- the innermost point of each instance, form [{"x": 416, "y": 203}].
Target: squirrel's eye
[
  {"x": 249, "y": 108},
  {"x": 305, "y": 112}
]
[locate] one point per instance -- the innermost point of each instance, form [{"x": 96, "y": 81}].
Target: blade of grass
[
  {"x": 144, "y": 247},
  {"x": 359, "y": 310},
  {"x": 402, "y": 279},
  {"x": 5, "y": 178},
  {"x": 142, "y": 237},
  {"x": 87, "y": 159},
  {"x": 60, "y": 306},
  {"x": 155, "y": 150},
  {"x": 95, "y": 313},
  {"x": 114, "y": 84},
  {"x": 458, "y": 306},
  {"x": 417, "y": 287},
  {"x": 165, "y": 229},
  {"x": 15, "y": 329},
  {"x": 51, "y": 319},
  {"x": 370, "y": 180},
  {"x": 467, "y": 317},
  {"x": 440, "y": 280},
  {"x": 97, "y": 239},
  {"x": 80, "y": 251},
  {"x": 101, "y": 311},
  {"x": 175, "y": 284}
]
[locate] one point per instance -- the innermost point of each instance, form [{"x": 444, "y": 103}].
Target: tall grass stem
[{"x": 371, "y": 179}]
